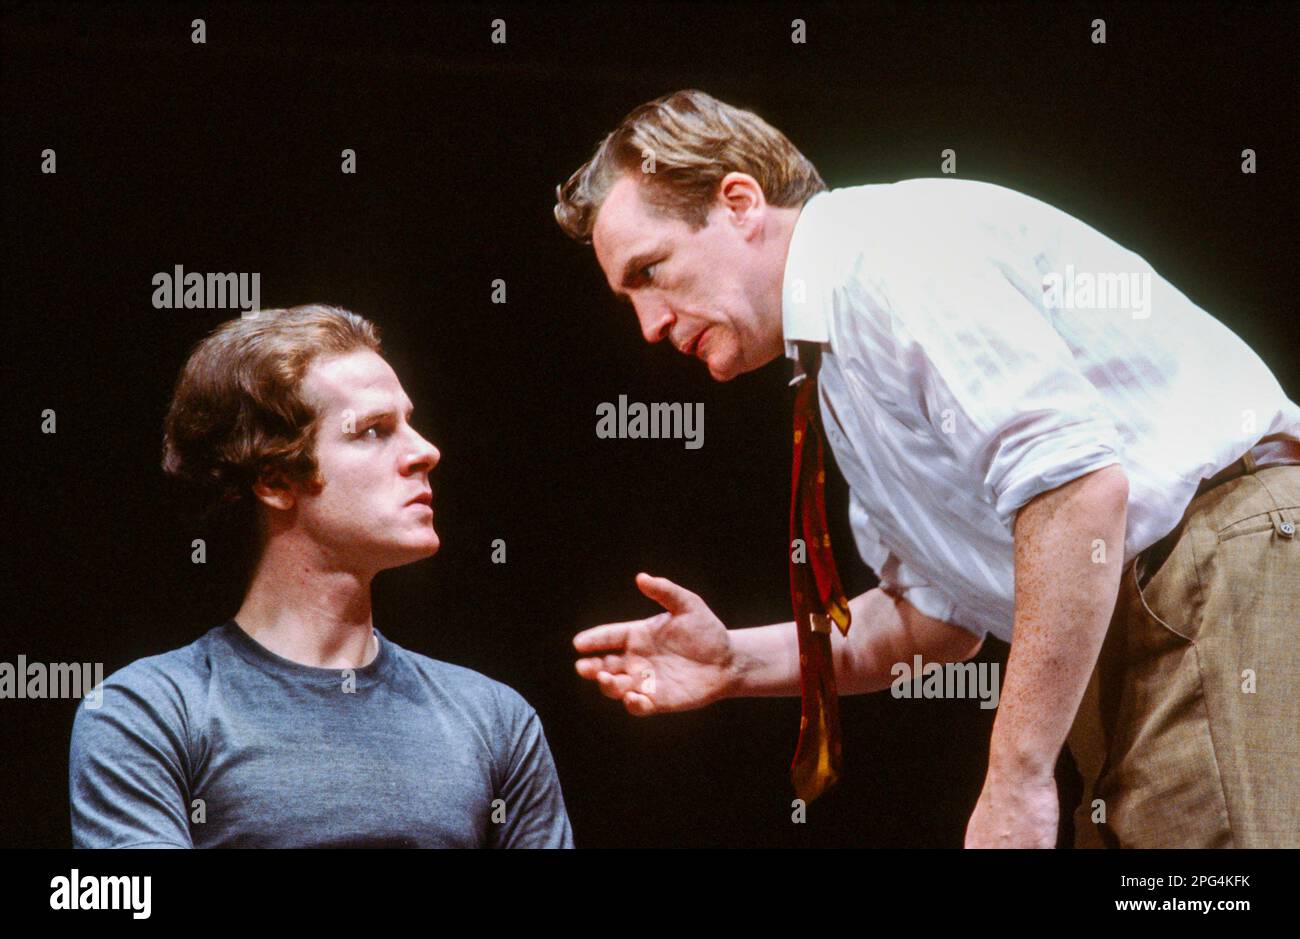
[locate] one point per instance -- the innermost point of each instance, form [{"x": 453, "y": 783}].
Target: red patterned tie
[{"x": 818, "y": 598}]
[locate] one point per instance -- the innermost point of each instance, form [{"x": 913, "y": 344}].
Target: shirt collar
[{"x": 803, "y": 312}]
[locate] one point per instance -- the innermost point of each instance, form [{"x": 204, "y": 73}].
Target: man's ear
[
  {"x": 742, "y": 196},
  {"x": 276, "y": 492}
]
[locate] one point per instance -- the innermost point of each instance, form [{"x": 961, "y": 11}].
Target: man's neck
[
  {"x": 302, "y": 610},
  {"x": 787, "y": 219}
]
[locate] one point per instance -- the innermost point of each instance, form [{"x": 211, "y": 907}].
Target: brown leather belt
[{"x": 1271, "y": 451}]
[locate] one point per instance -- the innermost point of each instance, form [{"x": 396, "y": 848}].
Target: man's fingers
[
  {"x": 613, "y": 636},
  {"x": 614, "y": 686},
  {"x": 638, "y": 704},
  {"x": 592, "y": 667},
  {"x": 619, "y": 686},
  {"x": 609, "y": 636},
  {"x": 667, "y": 594}
]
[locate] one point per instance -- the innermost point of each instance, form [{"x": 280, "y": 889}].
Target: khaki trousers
[{"x": 1189, "y": 731}]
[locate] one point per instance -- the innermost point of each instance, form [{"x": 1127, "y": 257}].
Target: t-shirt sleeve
[
  {"x": 535, "y": 816},
  {"x": 127, "y": 776}
]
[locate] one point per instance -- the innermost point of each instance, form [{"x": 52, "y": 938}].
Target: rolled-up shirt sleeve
[{"x": 998, "y": 385}]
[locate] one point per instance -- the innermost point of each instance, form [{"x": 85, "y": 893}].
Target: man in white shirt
[{"x": 1043, "y": 439}]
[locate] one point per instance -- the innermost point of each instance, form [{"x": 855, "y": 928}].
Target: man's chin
[
  {"x": 724, "y": 373},
  {"x": 736, "y": 366},
  {"x": 418, "y": 551}
]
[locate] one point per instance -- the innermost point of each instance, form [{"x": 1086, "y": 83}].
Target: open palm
[{"x": 678, "y": 660}]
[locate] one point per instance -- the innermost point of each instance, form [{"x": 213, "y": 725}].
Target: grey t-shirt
[{"x": 223, "y": 743}]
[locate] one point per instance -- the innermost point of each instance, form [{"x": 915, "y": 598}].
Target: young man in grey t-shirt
[{"x": 297, "y": 723}]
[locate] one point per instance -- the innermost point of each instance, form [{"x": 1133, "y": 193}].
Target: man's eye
[
  {"x": 647, "y": 272},
  {"x": 375, "y": 432}
]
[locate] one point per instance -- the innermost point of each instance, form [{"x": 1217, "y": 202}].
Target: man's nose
[
  {"x": 424, "y": 456},
  {"x": 655, "y": 318}
]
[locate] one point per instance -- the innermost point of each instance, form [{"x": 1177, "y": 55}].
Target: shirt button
[{"x": 1288, "y": 528}]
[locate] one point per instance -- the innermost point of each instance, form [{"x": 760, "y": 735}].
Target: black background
[{"x": 226, "y": 157}]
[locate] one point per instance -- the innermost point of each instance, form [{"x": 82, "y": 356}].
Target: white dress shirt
[{"x": 968, "y": 366}]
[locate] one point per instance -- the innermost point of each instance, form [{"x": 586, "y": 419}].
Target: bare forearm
[
  {"x": 885, "y": 630},
  {"x": 1065, "y": 595}
]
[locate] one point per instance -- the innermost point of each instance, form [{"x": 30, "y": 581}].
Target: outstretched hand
[{"x": 677, "y": 660}]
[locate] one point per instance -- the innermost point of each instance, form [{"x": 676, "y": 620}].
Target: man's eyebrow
[
  {"x": 385, "y": 412},
  {"x": 633, "y": 267}
]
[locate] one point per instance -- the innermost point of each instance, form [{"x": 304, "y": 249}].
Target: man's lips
[{"x": 424, "y": 498}]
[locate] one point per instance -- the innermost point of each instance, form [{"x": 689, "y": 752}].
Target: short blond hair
[{"x": 694, "y": 140}]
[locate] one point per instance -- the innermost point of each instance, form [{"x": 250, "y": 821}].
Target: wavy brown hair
[
  {"x": 237, "y": 414},
  {"x": 694, "y": 140}
]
